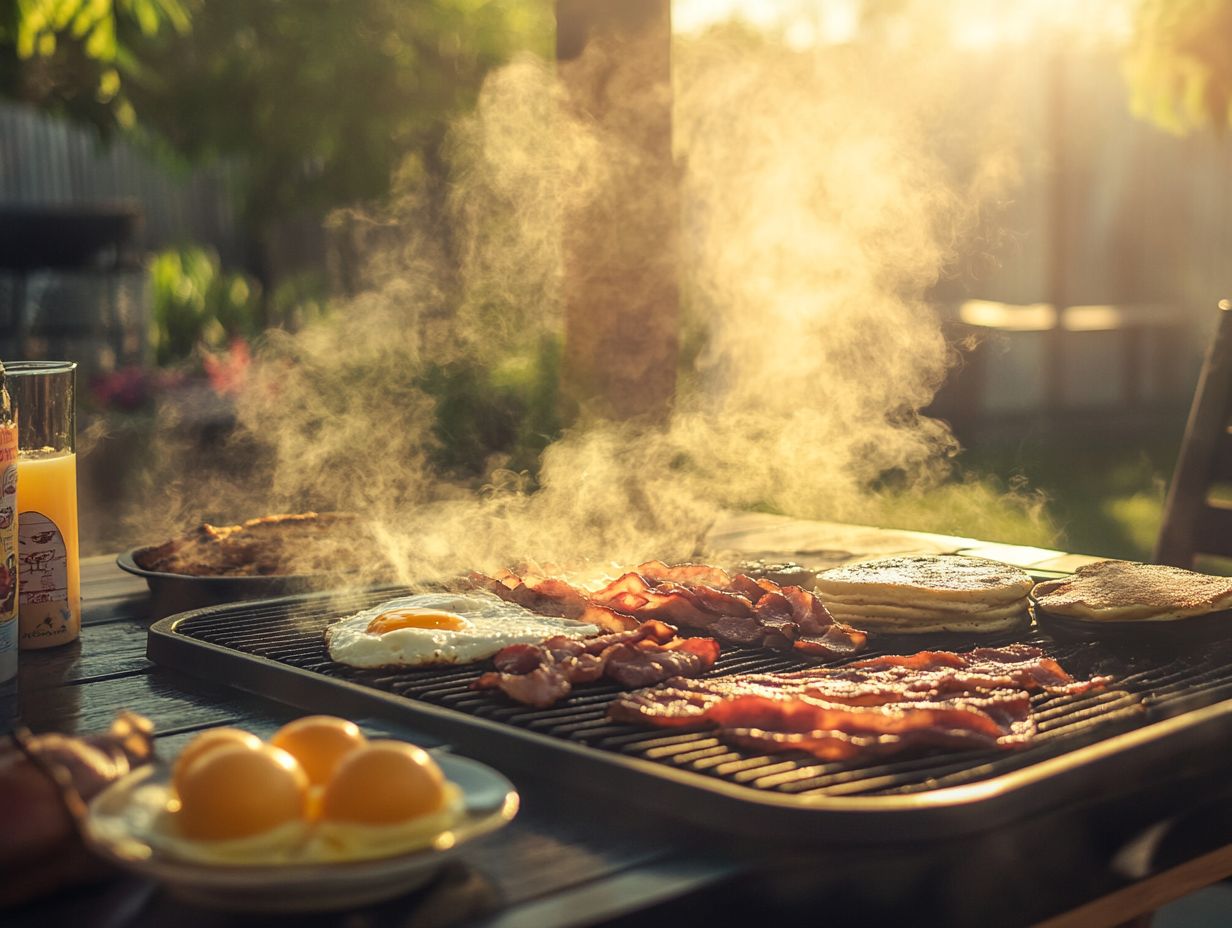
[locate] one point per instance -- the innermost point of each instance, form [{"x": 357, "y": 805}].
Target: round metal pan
[{"x": 172, "y": 593}]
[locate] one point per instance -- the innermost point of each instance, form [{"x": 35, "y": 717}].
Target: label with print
[
  {"x": 43, "y": 583},
  {"x": 8, "y": 552}
]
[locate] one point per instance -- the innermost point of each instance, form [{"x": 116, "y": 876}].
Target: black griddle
[{"x": 1167, "y": 714}]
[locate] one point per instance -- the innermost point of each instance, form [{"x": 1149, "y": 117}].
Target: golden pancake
[
  {"x": 1118, "y": 591},
  {"x": 906, "y": 601},
  {"x": 925, "y": 580},
  {"x": 927, "y": 623},
  {"x": 857, "y": 611}
]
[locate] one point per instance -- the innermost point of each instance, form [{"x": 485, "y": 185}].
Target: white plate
[{"x": 120, "y": 823}]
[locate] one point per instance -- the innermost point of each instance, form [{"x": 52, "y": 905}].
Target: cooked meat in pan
[
  {"x": 303, "y": 543},
  {"x": 886, "y": 705},
  {"x": 539, "y": 675},
  {"x": 733, "y": 608}
]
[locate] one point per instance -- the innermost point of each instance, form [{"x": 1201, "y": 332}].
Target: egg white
[{"x": 488, "y": 624}]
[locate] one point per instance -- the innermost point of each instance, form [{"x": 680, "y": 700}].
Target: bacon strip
[
  {"x": 736, "y": 609},
  {"x": 936, "y": 699},
  {"x": 540, "y": 675}
]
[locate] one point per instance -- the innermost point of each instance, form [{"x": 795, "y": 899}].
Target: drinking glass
[{"x": 49, "y": 579}]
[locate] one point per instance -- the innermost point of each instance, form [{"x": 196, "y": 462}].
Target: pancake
[
  {"x": 1121, "y": 591},
  {"x": 950, "y": 578},
  {"x": 927, "y": 593},
  {"x": 928, "y": 623},
  {"x": 867, "y": 604},
  {"x": 857, "y": 613}
]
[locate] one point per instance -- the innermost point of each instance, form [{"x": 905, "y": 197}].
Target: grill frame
[{"x": 1121, "y": 760}]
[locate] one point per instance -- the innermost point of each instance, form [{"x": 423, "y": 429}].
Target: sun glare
[{"x": 970, "y": 24}]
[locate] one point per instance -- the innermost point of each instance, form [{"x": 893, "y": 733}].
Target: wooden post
[
  {"x": 1181, "y": 536},
  {"x": 1058, "y": 231},
  {"x": 620, "y": 247}
]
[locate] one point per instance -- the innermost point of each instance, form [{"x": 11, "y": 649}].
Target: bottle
[
  {"x": 8, "y": 537},
  {"x": 49, "y": 604}
]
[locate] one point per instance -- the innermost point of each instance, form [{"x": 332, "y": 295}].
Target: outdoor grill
[{"x": 1162, "y": 706}]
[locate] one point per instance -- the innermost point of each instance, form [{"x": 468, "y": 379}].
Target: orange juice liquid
[{"x": 49, "y": 587}]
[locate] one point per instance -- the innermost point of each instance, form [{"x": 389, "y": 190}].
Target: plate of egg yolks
[{"x": 318, "y": 817}]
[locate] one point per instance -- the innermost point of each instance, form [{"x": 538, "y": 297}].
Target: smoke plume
[{"x": 817, "y": 210}]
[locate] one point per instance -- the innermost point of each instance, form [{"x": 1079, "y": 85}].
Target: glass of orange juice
[{"x": 48, "y": 575}]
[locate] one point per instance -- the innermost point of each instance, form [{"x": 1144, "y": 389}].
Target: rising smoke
[{"x": 816, "y": 213}]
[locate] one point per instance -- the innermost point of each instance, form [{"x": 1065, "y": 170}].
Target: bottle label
[
  {"x": 8, "y": 551},
  {"x": 43, "y": 561}
]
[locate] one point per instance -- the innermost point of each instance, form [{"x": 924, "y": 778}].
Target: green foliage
[
  {"x": 73, "y": 55},
  {"x": 321, "y": 100},
  {"x": 318, "y": 100},
  {"x": 1180, "y": 64},
  {"x": 298, "y": 300},
  {"x": 509, "y": 410},
  {"x": 198, "y": 305}
]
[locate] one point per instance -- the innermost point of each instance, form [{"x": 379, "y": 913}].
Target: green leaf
[
  {"x": 177, "y": 14},
  {"x": 62, "y": 13},
  {"x": 101, "y": 45},
  {"x": 126, "y": 116},
  {"x": 147, "y": 16},
  {"x": 87, "y": 15},
  {"x": 108, "y": 85}
]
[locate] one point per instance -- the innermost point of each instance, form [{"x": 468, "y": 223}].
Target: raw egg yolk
[
  {"x": 319, "y": 742},
  {"x": 413, "y": 618},
  {"x": 207, "y": 742},
  {"x": 385, "y": 783},
  {"x": 237, "y": 792}
]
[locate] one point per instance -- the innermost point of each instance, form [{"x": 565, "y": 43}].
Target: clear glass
[
  {"x": 44, "y": 398},
  {"x": 49, "y": 575}
]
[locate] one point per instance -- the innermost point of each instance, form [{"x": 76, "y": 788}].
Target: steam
[{"x": 817, "y": 211}]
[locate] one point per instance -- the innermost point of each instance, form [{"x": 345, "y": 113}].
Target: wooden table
[{"x": 572, "y": 858}]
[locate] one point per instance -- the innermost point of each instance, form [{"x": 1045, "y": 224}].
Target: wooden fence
[
  {"x": 47, "y": 161},
  {"x": 98, "y": 315}
]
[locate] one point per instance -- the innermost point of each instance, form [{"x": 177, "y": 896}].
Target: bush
[{"x": 198, "y": 305}]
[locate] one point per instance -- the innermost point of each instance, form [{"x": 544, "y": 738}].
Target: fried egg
[{"x": 441, "y": 628}]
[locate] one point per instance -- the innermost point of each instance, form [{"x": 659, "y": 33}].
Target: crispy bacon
[
  {"x": 1020, "y": 665},
  {"x": 638, "y": 665},
  {"x": 688, "y": 574},
  {"x": 884, "y": 705},
  {"x": 836, "y": 641},
  {"x": 540, "y": 675},
  {"x": 550, "y": 596},
  {"x": 736, "y": 609}
]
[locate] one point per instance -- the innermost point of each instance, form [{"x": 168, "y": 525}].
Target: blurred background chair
[{"x": 1198, "y": 510}]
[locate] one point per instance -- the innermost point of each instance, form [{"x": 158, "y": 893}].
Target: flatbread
[
  {"x": 925, "y": 580},
  {"x": 1119, "y": 591}
]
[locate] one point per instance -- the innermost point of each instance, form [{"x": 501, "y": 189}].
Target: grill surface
[{"x": 1150, "y": 683}]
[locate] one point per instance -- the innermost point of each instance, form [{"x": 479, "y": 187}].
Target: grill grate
[{"x": 1148, "y": 685}]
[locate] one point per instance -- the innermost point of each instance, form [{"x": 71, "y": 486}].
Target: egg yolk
[
  {"x": 385, "y": 783},
  {"x": 237, "y": 792},
  {"x": 207, "y": 742},
  {"x": 394, "y": 619},
  {"x": 319, "y": 742}
]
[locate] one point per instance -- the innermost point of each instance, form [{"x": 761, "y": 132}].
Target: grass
[{"x": 1102, "y": 486}]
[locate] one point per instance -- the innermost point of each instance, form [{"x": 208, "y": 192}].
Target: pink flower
[
  {"x": 228, "y": 373},
  {"x": 127, "y": 389}
]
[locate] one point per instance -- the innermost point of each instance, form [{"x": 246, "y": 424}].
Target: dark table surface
[{"x": 576, "y": 858}]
